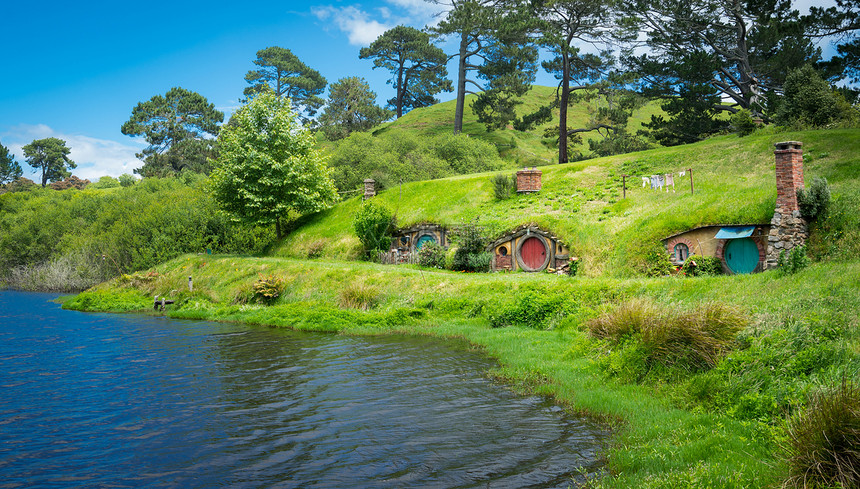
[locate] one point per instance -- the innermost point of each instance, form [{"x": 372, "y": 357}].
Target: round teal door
[
  {"x": 427, "y": 238},
  {"x": 741, "y": 255}
]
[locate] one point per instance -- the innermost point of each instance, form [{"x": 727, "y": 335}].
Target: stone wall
[{"x": 788, "y": 229}]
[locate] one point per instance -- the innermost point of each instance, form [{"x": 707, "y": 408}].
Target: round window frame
[{"x": 422, "y": 235}]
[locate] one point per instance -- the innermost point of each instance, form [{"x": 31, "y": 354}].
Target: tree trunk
[
  {"x": 278, "y": 229},
  {"x": 461, "y": 84},
  {"x": 562, "y": 109},
  {"x": 400, "y": 89}
]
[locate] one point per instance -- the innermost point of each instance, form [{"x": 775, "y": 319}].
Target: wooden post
[
  {"x": 691, "y": 180},
  {"x": 624, "y": 185},
  {"x": 190, "y": 284}
]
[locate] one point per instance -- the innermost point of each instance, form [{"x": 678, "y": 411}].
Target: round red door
[{"x": 533, "y": 253}]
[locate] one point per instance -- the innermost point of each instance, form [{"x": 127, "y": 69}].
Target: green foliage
[
  {"x": 174, "y": 125},
  {"x": 471, "y": 254},
  {"x": 702, "y": 266},
  {"x": 822, "y": 447},
  {"x": 742, "y": 123},
  {"x": 532, "y": 309},
  {"x": 691, "y": 116},
  {"x": 417, "y": 67},
  {"x": 373, "y": 224},
  {"x": 808, "y": 100},
  {"x": 105, "y": 182},
  {"x": 694, "y": 339},
  {"x": 359, "y": 295},
  {"x": 793, "y": 261},
  {"x": 70, "y": 182},
  {"x": 814, "y": 201},
  {"x": 269, "y": 168},
  {"x": 127, "y": 180},
  {"x": 281, "y": 72},
  {"x": 267, "y": 289},
  {"x": 395, "y": 157},
  {"x": 431, "y": 255},
  {"x": 10, "y": 170},
  {"x": 351, "y": 107},
  {"x": 503, "y": 185},
  {"x": 656, "y": 262},
  {"x": 836, "y": 236},
  {"x": 51, "y": 156}
]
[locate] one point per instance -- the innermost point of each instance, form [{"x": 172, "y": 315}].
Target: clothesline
[{"x": 661, "y": 181}]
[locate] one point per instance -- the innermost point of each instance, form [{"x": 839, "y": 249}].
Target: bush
[
  {"x": 268, "y": 289},
  {"x": 127, "y": 180},
  {"x": 431, "y": 255},
  {"x": 814, "y": 201},
  {"x": 105, "y": 182},
  {"x": 742, "y": 123},
  {"x": 794, "y": 261},
  {"x": 823, "y": 446},
  {"x": 657, "y": 263},
  {"x": 373, "y": 224},
  {"x": 471, "y": 255},
  {"x": 702, "y": 266},
  {"x": 503, "y": 185},
  {"x": 809, "y": 100},
  {"x": 359, "y": 296},
  {"x": 694, "y": 339}
]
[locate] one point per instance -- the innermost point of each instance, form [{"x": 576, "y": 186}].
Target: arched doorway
[
  {"x": 533, "y": 254},
  {"x": 741, "y": 255},
  {"x": 427, "y": 238}
]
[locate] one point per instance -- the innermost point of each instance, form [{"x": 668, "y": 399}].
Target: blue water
[{"x": 103, "y": 400}]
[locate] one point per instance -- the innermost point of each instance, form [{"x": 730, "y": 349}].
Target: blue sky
[{"x": 75, "y": 70}]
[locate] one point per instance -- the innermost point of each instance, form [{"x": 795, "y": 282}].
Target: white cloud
[
  {"x": 94, "y": 157},
  {"x": 357, "y": 24}
]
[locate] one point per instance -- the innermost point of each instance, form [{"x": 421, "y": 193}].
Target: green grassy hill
[
  {"x": 733, "y": 178},
  {"x": 526, "y": 148}
]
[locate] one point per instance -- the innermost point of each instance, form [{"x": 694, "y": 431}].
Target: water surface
[{"x": 105, "y": 400}]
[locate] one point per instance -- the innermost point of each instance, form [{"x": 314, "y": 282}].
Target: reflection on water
[{"x": 130, "y": 401}]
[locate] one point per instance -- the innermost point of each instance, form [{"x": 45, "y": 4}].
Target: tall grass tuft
[
  {"x": 359, "y": 296},
  {"x": 695, "y": 339},
  {"x": 823, "y": 448}
]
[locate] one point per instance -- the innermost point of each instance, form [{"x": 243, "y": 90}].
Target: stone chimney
[
  {"x": 528, "y": 180},
  {"x": 369, "y": 188},
  {"x": 787, "y": 228}
]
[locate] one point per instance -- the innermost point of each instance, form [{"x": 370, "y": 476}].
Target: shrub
[
  {"x": 657, "y": 263},
  {"x": 105, "y": 182},
  {"x": 431, "y": 255},
  {"x": 471, "y": 255},
  {"x": 823, "y": 446},
  {"x": 809, "y": 100},
  {"x": 503, "y": 185},
  {"x": 742, "y": 123},
  {"x": 373, "y": 224},
  {"x": 268, "y": 289},
  {"x": 695, "y": 339},
  {"x": 794, "y": 261},
  {"x": 815, "y": 201},
  {"x": 127, "y": 180},
  {"x": 359, "y": 296},
  {"x": 702, "y": 266}
]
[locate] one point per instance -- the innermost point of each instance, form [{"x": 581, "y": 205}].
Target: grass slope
[{"x": 734, "y": 183}]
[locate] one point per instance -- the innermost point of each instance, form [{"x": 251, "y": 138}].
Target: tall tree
[
  {"x": 351, "y": 107},
  {"x": 269, "y": 169},
  {"x": 51, "y": 156},
  {"x": 842, "y": 24},
  {"x": 10, "y": 170},
  {"x": 282, "y": 72},
  {"x": 417, "y": 67},
  {"x": 723, "y": 54},
  {"x": 179, "y": 127},
  {"x": 564, "y": 25},
  {"x": 495, "y": 33}
]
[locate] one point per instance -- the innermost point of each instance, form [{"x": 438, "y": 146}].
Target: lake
[{"x": 110, "y": 400}]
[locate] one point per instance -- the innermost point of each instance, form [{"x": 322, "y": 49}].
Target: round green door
[
  {"x": 427, "y": 238},
  {"x": 741, "y": 255}
]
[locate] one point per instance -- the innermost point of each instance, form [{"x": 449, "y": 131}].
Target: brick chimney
[
  {"x": 369, "y": 188},
  {"x": 528, "y": 180},
  {"x": 787, "y": 228},
  {"x": 789, "y": 175}
]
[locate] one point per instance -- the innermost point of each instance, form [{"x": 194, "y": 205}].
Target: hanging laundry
[
  {"x": 681, "y": 174},
  {"x": 645, "y": 181},
  {"x": 670, "y": 180},
  {"x": 660, "y": 181},
  {"x": 653, "y": 182}
]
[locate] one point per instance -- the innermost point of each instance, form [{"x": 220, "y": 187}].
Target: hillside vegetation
[{"x": 583, "y": 202}]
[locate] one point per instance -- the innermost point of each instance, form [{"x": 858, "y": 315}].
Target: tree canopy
[
  {"x": 51, "y": 156},
  {"x": 10, "y": 170},
  {"x": 351, "y": 107},
  {"x": 269, "y": 169},
  {"x": 417, "y": 67},
  {"x": 282, "y": 72},
  {"x": 179, "y": 127}
]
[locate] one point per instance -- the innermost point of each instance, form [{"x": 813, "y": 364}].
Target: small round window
[
  {"x": 681, "y": 252},
  {"x": 503, "y": 250}
]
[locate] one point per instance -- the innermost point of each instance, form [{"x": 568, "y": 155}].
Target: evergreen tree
[
  {"x": 351, "y": 107},
  {"x": 51, "y": 156},
  {"x": 282, "y": 72},
  {"x": 10, "y": 170}
]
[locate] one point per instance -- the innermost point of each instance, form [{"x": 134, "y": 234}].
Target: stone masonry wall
[{"x": 788, "y": 228}]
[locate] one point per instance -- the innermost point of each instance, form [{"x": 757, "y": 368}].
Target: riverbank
[{"x": 675, "y": 424}]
